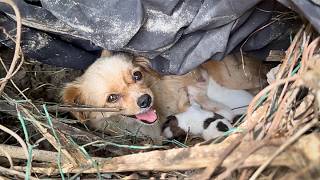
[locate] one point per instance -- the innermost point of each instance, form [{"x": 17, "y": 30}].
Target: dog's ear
[
  {"x": 144, "y": 63},
  {"x": 71, "y": 95},
  {"x": 204, "y": 75},
  {"x": 106, "y": 53}
]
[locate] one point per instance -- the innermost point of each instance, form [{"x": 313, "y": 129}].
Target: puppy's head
[{"x": 113, "y": 81}]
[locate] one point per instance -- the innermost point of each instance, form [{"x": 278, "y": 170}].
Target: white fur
[
  {"x": 192, "y": 120},
  {"x": 167, "y": 132},
  {"x": 227, "y": 113},
  {"x": 209, "y": 104},
  {"x": 229, "y": 97},
  {"x": 212, "y": 131}
]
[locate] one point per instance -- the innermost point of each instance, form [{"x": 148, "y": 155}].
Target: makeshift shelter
[{"x": 177, "y": 36}]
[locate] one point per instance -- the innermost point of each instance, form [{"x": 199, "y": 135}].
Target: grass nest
[{"x": 278, "y": 137}]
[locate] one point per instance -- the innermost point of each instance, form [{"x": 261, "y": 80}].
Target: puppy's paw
[{"x": 171, "y": 129}]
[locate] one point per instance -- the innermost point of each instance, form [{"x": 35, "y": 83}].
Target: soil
[{"x": 39, "y": 82}]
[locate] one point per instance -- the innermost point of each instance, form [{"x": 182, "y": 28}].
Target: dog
[{"x": 144, "y": 98}]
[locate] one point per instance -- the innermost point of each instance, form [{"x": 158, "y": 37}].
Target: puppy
[
  {"x": 196, "y": 121},
  {"x": 214, "y": 97},
  {"x": 213, "y": 118},
  {"x": 143, "y": 98}
]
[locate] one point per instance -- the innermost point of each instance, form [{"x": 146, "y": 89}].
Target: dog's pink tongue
[{"x": 149, "y": 116}]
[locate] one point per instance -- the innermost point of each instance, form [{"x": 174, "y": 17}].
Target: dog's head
[{"x": 113, "y": 81}]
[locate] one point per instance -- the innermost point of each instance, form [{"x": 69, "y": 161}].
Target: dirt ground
[{"x": 39, "y": 82}]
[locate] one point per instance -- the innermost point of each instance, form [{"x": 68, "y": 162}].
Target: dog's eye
[
  {"x": 137, "y": 76},
  {"x": 112, "y": 98}
]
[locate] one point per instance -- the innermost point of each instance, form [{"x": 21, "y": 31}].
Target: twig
[
  {"x": 243, "y": 158},
  {"x": 17, "y": 137},
  {"x": 247, "y": 39},
  {"x": 178, "y": 159},
  {"x": 278, "y": 115},
  {"x": 283, "y": 98},
  {"x": 313, "y": 45},
  {"x": 4, "y": 152},
  {"x": 22, "y": 56},
  {"x": 13, "y": 83},
  {"x": 4, "y": 178},
  {"x": 207, "y": 173},
  {"x": 235, "y": 142},
  {"x": 264, "y": 91},
  {"x": 81, "y": 109},
  {"x": 293, "y": 63},
  {"x": 17, "y": 152},
  {"x": 66, "y": 129},
  {"x": 17, "y": 46},
  {"x": 283, "y": 147},
  {"x": 49, "y": 137},
  {"x": 15, "y": 173},
  {"x": 210, "y": 169},
  {"x": 245, "y": 174},
  {"x": 280, "y": 74}
]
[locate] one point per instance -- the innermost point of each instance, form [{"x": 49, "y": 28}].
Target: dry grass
[{"x": 277, "y": 138}]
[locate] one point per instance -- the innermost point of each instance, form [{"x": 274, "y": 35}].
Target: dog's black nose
[{"x": 144, "y": 101}]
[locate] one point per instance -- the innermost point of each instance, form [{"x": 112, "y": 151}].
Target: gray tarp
[{"x": 177, "y": 35}]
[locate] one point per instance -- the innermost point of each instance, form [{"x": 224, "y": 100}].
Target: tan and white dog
[{"x": 146, "y": 100}]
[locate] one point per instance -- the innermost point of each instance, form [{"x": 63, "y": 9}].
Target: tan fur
[
  {"x": 230, "y": 72},
  {"x": 107, "y": 76},
  {"x": 113, "y": 74},
  {"x": 106, "y": 53}
]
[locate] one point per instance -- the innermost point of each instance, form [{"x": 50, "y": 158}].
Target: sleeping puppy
[
  {"x": 214, "y": 97},
  {"x": 213, "y": 117},
  {"x": 197, "y": 122},
  {"x": 143, "y": 98}
]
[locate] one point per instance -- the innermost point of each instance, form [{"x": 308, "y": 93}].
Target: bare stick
[
  {"x": 178, "y": 159},
  {"x": 4, "y": 178},
  {"x": 81, "y": 109},
  {"x": 5, "y": 153},
  {"x": 51, "y": 139},
  {"x": 17, "y": 152},
  {"x": 14, "y": 173},
  {"x": 283, "y": 147},
  {"x": 266, "y": 90},
  {"x": 17, "y": 46},
  {"x": 237, "y": 164},
  {"x": 18, "y": 138}
]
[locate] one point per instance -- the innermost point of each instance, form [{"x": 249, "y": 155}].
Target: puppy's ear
[
  {"x": 106, "y": 53},
  {"x": 71, "y": 95}
]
